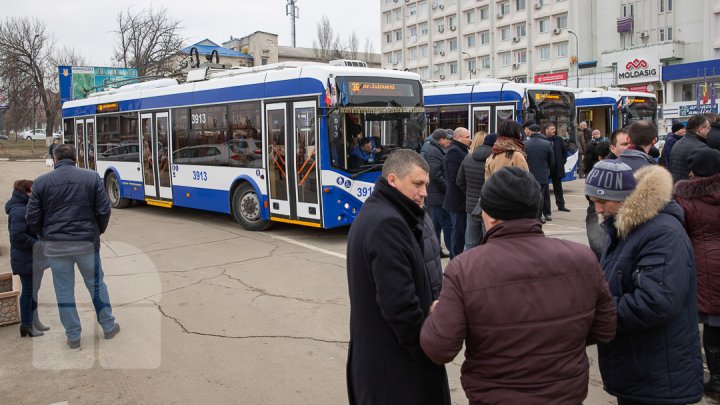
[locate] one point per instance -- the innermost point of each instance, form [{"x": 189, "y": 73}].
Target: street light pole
[
  {"x": 468, "y": 55},
  {"x": 577, "y": 57}
]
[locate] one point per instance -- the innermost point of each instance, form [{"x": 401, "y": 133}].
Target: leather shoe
[
  {"x": 30, "y": 331},
  {"x": 563, "y": 209},
  {"x": 38, "y": 325},
  {"x": 444, "y": 254},
  {"x": 548, "y": 217},
  {"x": 543, "y": 221},
  {"x": 114, "y": 331},
  {"x": 73, "y": 343}
]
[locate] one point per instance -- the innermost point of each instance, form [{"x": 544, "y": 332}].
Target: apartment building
[{"x": 578, "y": 43}]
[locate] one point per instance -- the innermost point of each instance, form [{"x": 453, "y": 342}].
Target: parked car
[
  {"x": 3, "y": 137},
  {"x": 37, "y": 135}
]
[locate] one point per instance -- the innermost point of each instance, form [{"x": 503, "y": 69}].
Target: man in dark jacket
[
  {"x": 695, "y": 138},
  {"x": 676, "y": 133},
  {"x": 648, "y": 262},
  {"x": 713, "y": 137},
  {"x": 642, "y": 135},
  {"x": 470, "y": 179},
  {"x": 69, "y": 209},
  {"x": 557, "y": 171},
  {"x": 540, "y": 159},
  {"x": 524, "y": 312},
  {"x": 434, "y": 155},
  {"x": 454, "y": 197},
  {"x": 584, "y": 135},
  {"x": 391, "y": 292}
]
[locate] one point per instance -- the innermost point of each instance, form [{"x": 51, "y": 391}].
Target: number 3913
[{"x": 199, "y": 175}]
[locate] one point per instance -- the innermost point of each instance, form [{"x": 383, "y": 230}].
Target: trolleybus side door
[
  {"x": 306, "y": 179},
  {"x": 84, "y": 137},
  {"x": 502, "y": 113},
  {"x": 154, "y": 152},
  {"x": 277, "y": 160},
  {"x": 480, "y": 120}
]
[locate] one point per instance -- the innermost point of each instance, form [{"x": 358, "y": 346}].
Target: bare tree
[
  {"x": 368, "y": 50},
  {"x": 352, "y": 46},
  {"x": 326, "y": 43},
  {"x": 147, "y": 41},
  {"x": 25, "y": 62}
]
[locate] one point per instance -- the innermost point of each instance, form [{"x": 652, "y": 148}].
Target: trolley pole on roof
[{"x": 294, "y": 12}]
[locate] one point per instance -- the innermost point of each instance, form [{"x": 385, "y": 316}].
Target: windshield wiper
[{"x": 367, "y": 169}]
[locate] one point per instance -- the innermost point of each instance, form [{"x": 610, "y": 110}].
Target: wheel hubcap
[
  {"x": 250, "y": 206},
  {"x": 114, "y": 191}
]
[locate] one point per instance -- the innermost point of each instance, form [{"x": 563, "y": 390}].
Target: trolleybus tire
[
  {"x": 246, "y": 208},
  {"x": 112, "y": 188}
]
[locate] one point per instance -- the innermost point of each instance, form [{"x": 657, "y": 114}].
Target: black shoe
[
  {"x": 29, "y": 331},
  {"x": 548, "y": 217},
  {"x": 712, "y": 356},
  {"x": 73, "y": 343},
  {"x": 563, "y": 209},
  {"x": 444, "y": 254},
  {"x": 114, "y": 331},
  {"x": 543, "y": 221},
  {"x": 38, "y": 325}
]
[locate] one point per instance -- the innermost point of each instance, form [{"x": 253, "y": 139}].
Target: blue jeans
[
  {"x": 473, "y": 232},
  {"x": 63, "y": 270},
  {"x": 29, "y": 296},
  {"x": 441, "y": 222},
  {"x": 459, "y": 219}
]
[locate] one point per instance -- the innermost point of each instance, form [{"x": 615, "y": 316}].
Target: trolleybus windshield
[
  {"x": 640, "y": 109},
  {"x": 554, "y": 106}
]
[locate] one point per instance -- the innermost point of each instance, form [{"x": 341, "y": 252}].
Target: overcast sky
[{"x": 87, "y": 25}]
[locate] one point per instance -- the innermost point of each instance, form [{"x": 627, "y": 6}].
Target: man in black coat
[
  {"x": 69, "y": 209},
  {"x": 713, "y": 137},
  {"x": 454, "y": 197},
  {"x": 557, "y": 171},
  {"x": 434, "y": 154},
  {"x": 695, "y": 138},
  {"x": 540, "y": 159},
  {"x": 391, "y": 292}
]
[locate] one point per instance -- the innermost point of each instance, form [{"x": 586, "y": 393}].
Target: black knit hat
[
  {"x": 677, "y": 126},
  {"x": 511, "y": 193},
  {"x": 704, "y": 162}
]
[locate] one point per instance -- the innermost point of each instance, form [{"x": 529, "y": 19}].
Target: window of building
[
  {"x": 470, "y": 41},
  {"x": 485, "y": 62},
  {"x": 453, "y": 44},
  {"x": 520, "y": 30},
  {"x": 484, "y": 13},
  {"x": 397, "y": 56},
  {"x": 438, "y": 46},
  {"x": 398, "y": 14},
  {"x": 388, "y": 58},
  {"x": 388, "y": 37},
  {"x": 688, "y": 92},
  {"x": 388, "y": 18},
  {"x": 521, "y": 56},
  {"x": 544, "y": 25},
  {"x": 628, "y": 10},
  {"x": 661, "y": 33},
  {"x": 413, "y": 31},
  {"x": 424, "y": 73},
  {"x": 504, "y": 59},
  {"x": 424, "y": 28},
  {"x": 505, "y": 34},
  {"x": 471, "y": 65},
  {"x": 451, "y": 21},
  {"x": 451, "y": 2},
  {"x": 669, "y": 34},
  {"x": 422, "y": 8},
  {"x": 412, "y": 10},
  {"x": 440, "y": 24},
  {"x": 440, "y": 68},
  {"x": 485, "y": 37},
  {"x": 398, "y": 35},
  {"x": 561, "y": 21},
  {"x": 505, "y": 8},
  {"x": 470, "y": 17},
  {"x": 561, "y": 50},
  {"x": 669, "y": 5},
  {"x": 519, "y": 5},
  {"x": 544, "y": 2},
  {"x": 453, "y": 68},
  {"x": 543, "y": 52},
  {"x": 412, "y": 53},
  {"x": 423, "y": 51}
]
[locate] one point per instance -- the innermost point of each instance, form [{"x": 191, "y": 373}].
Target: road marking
[{"x": 309, "y": 246}]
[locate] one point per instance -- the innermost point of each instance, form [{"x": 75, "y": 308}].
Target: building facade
[{"x": 578, "y": 43}]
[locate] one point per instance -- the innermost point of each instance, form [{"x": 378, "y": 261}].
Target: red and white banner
[
  {"x": 558, "y": 79},
  {"x": 643, "y": 88}
]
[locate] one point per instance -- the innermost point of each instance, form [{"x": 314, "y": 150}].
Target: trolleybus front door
[
  {"x": 154, "y": 151},
  {"x": 292, "y": 162},
  {"x": 481, "y": 120},
  {"x": 84, "y": 142}
]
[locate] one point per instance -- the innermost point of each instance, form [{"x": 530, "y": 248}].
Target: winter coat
[
  {"x": 700, "y": 199},
  {"x": 69, "y": 204},
  {"x": 713, "y": 137},
  {"x": 471, "y": 176},
  {"x": 635, "y": 159},
  {"x": 390, "y": 296},
  {"x": 525, "y": 313},
  {"x": 434, "y": 156},
  {"x": 560, "y": 153},
  {"x": 454, "y": 197},
  {"x": 648, "y": 261},
  {"x": 426, "y": 144},
  {"x": 22, "y": 238},
  {"x": 497, "y": 161},
  {"x": 680, "y": 168},
  {"x": 540, "y": 157},
  {"x": 670, "y": 142},
  {"x": 431, "y": 253}
]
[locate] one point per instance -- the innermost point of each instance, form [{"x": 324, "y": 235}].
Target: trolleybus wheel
[
  {"x": 246, "y": 209},
  {"x": 112, "y": 187}
]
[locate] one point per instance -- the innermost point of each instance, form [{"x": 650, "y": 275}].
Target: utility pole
[{"x": 294, "y": 12}]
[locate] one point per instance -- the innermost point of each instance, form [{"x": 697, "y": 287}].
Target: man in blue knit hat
[{"x": 648, "y": 262}]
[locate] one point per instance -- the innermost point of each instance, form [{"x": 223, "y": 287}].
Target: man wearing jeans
[{"x": 69, "y": 209}]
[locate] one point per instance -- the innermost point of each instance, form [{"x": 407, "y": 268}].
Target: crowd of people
[{"x": 523, "y": 305}]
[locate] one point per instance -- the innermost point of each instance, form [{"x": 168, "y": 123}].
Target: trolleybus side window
[
  {"x": 245, "y": 135},
  {"x": 117, "y": 138},
  {"x": 69, "y": 131}
]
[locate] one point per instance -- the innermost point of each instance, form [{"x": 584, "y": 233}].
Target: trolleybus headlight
[{"x": 347, "y": 206}]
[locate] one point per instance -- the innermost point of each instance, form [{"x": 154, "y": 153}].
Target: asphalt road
[{"x": 210, "y": 313}]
